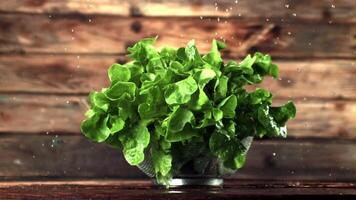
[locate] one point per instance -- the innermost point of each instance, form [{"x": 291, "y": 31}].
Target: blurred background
[{"x": 52, "y": 53}]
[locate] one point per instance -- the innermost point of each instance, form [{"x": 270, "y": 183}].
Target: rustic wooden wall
[{"x": 52, "y": 53}]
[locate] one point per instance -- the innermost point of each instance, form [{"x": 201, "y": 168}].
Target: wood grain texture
[
  {"x": 83, "y": 34},
  {"x": 143, "y": 189},
  {"x": 62, "y": 114},
  {"x": 312, "y": 9},
  {"x": 71, "y": 74},
  {"x": 41, "y": 156}
]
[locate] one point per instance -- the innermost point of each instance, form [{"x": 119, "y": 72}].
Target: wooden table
[{"x": 144, "y": 189}]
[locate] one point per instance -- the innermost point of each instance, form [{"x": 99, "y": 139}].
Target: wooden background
[{"x": 52, "y": 53}]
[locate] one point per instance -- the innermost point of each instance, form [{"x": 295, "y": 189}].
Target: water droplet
[
  {"x": 332, "y": 5},
  {"x": 286, "y": 5},
  {"x": 218, "y": 19},
  {"x": 294, "y": 14},
  {"x": 289, "y": 33},
  {"x": 89, "y": 20},
  {"x": 267, "y": 20},
  {"x": 236, "y": 1},
  {"x": 47, "y": 132},
  {"x": 289, "y": 81},
  {"x": 17, "y": 162},
  {"x": 201, "y": 17},
  {"x": 274, "y": 154},
  {"x": 72, "y": 30},
  {"x": 67, "y": 102}
]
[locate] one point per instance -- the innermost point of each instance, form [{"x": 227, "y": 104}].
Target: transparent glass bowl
[{"x": 212, "y": 176}]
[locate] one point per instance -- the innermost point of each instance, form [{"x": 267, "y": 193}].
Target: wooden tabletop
[{"x": 144, "y": 189}]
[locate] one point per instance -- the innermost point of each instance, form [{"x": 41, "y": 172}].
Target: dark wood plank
[
  {"x": 43, "y": 156},
  {"x": 70, "y": 74},
  {"x": 305, "y": 9},
  {"x": 81, "y": 34},
  {"x": 33, "y": 114},
  {"x": 127, "y": 189}
]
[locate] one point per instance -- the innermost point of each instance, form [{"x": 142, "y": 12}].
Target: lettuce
[{"x": 180, "y": 106}]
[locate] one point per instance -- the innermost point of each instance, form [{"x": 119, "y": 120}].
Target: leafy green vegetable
[
  {"x": 134, "y": 142},
  {"x": 185, "y": 109},
  {"x": 180, "y": 92}
]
